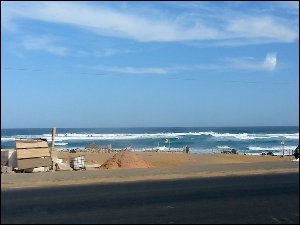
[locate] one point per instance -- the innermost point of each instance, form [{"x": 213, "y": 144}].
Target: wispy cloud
[
  {"x": 105, "y": 52},
  {"x": 267, "y": 64},
  {"x": 159, "y": 26},
  {"x": 251, "y": 64},
  {"x": 44, "y": 43},
  {"x": 109, "y": 52},
  {"x": 55, "y": 46},
  {"x": 248, "y": 64},
  {"x": 262, "y": 27},
  {"x": 135, "y": 70}
]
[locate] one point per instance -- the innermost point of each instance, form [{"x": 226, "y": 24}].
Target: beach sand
[
  {"x": 167, "y": 159},
  {"x": 164, "y": 166}
]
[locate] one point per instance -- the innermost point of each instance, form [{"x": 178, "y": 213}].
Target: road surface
[{"x": 245, "y": 199}]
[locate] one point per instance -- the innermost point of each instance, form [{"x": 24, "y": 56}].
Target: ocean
[{"x": 247, "y": 140}]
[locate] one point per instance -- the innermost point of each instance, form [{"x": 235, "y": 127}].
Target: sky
[{"x": 149, "y": 64}]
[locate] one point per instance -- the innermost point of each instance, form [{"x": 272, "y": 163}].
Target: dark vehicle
[
  {"x": 268, "y": 153},
  {"x": 296, "y": 154}
]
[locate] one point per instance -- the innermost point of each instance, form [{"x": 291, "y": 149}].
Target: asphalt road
[{"x": 245, "y": 199}]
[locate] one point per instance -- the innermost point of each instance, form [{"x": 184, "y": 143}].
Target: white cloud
[
  {"x": 50, "y": 44},
  {"x": 159, "y": 26},
  {"x": 44, "y": 43},
  {"x": 241, "y": 64},
  {"x": 263, "y": 27},
  {"x": 157, "y": 70},
  {"x": 109, "y": 52},
  {"x": 270, "y": 61},
  {"x": 105, "y": 52},
  {"x": 252, "y": 64}
]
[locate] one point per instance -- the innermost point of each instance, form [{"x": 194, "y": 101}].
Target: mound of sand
[{"x": 125, "y": 159}]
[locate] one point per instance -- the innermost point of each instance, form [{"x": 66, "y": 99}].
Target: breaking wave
[
  {"x": 60, "y": 143},
  {"x": 275, "y": 148},
  {"x": 128, "y": 136},
  {"x": 223, "y": 147}
]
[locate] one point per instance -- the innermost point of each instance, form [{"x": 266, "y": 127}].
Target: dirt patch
[{"x": 126, "y": 159}]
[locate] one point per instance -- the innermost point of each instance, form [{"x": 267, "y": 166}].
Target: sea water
[{"x": 247, "y": 140}]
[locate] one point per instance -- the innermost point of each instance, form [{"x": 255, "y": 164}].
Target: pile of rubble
[
  {"x": 93, "y": 147},
  {"x": 125, "y": 159}
]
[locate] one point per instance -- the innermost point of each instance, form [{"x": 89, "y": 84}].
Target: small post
[
  {"x": 168, "y": 141},
  {"x": 282, "y": 142}
]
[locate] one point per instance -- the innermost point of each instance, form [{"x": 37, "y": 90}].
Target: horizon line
[{"x": 152, "y": 127}]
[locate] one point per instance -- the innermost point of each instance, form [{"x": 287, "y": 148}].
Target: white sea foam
[
  {"x": 223, "y": 147},
  {"x": 61, "y": 143},
  {"x": 275, "y": 148},
  {"x": 123, "y": 136},
  {"x": 246, "y": 136},
  {"x": 119, "y": 136},
  {"x": 6, "y": 139},
  {"x": 253, "y": 153}
]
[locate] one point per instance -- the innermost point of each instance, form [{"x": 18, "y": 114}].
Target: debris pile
[
  {"x": 231, "y": 151},
  {"x": 125, "y": 159},
  {"x": 93, "y": 147}
]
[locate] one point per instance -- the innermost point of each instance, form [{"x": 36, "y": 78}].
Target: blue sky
[{"x": 136, "y": 64}]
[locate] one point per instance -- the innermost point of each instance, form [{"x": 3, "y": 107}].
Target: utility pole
[
  {"x": 53, "y": 136},
  {"x": 53, "y": 152}
]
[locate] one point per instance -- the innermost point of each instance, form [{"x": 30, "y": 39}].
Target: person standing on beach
[
  {"x": 186, "y": 149},
  {"x": 296, "y": 154}
]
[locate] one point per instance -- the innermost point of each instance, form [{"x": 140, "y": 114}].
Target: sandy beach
[
  {"x": 164, "y": 166},
  {"x": 166, "y": 159}
]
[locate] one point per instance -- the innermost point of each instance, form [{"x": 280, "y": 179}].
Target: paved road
[{"x": 246, "y": 199}]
